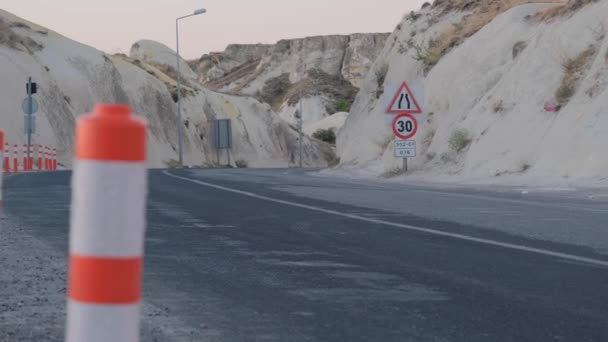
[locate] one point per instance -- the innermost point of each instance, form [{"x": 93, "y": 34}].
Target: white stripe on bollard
[
  {"x": 115, "y": 224},
  {"x": 101, "y": 323}
]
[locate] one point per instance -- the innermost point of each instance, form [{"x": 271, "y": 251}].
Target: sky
[{"x": 114, "y": 25}]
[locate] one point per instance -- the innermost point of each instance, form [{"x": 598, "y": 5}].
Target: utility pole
[
  {"x": 30, "y": 111},
  {"x": 179, "y": 102},
  {"x": 300, "y": 126},
  {"x": 180, "y": 138}
]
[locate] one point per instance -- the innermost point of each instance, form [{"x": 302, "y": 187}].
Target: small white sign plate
[{"x": 405, "y": 148}]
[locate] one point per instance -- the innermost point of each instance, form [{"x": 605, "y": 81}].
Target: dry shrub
[
  {"x": 172, "y": 164},
  {"x": 14, "y": 41},
  {"x": 170, "y": 71},
  {"x": 459, "y": 140},
  {"x": 573, "y": 71},
  {"x": 518, "y": 48},
  {"x": 429, "y": 55},
  {"x": 326, "y": 135},
  {"x": 381, "y": 73},
  {"x": 274, "y": 90},
  {"x": 565, "y": 8},
  {"x": 499, "y": 107},
  {"x": 479, "y": 6},
  {"x": 18, "y": 24},
  {"x": 393, "y": 172},
  {"x": 482, "y": 12},
  {"x": 7, "y": 36}
]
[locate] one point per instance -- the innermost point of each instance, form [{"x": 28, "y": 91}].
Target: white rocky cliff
[
  {"x": 507, "y": 88},
  {"x": 323, "y": 73},
  {"x": 72, "y": 77}
]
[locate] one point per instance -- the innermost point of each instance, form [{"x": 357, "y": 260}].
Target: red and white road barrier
[
  {"x": 15, "y": 158},
  {"x": 1, "y": 158},
  {"x": 24, "y": 167},
  {"x": 7, "y": 158},
  {"x": 30, "y": 161},
  {"x": 39, "y": 157},
  {"x": 46, "y": 157},
  {"x": 109, "y": 185},
  {"x": 54, "y": 166}
]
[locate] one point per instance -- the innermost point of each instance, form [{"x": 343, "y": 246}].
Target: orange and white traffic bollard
[
  {"x": 54, "y": 166},
  {"x": 46, "y": 157},
  {"x": 1, "y": 158},
  {"x": 16, "y": 158},
  {"x": 30, "y": 162},
  {"x": 7, "y": 158},
  {"x": 39, "y": 157},
  {"x": 24, "y": 157},
  {"x": 109, "y": 185}
]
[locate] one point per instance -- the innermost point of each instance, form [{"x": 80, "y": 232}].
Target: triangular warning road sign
[{"x": 404, "y": 102}]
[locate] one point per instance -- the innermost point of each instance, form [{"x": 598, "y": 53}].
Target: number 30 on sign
[{"x": 405, "y": 126}]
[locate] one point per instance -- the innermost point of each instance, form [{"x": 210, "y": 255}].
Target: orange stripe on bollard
[
  {"x": 16, "y": 158},
  {"x": 24, "y": 157},
  {"x": 105, "y": 280},
  {"x": 39, "y": 157},
  {"x": 54, "y": 166},
  {"x": 5, "y": 165},
  {"x": 110, "y": 133}
]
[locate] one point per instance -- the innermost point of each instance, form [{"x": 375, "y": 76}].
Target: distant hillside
[
  {"x": 507, "y": 87},
  {"x": 323, "y": 72},
  {"x": 72, "y": 77}
]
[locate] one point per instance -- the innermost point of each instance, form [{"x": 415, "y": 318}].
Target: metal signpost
[
  {"x": 223, "y": 137},
  {"x": 405, "y": 149},
  {"x": 300, "y": 127},
  {"x": 404, "y": 125},
  {"x": 29, "y": 107}
]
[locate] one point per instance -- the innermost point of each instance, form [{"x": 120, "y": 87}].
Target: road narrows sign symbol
[
  {"x": 405, "y": 126},
  {"x": 404, "y": 102}
]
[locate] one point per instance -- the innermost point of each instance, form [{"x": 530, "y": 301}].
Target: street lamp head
[{"x": 200, "y": 11}]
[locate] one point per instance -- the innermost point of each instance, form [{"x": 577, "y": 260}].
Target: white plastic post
[{"x": 107, "y": 227}]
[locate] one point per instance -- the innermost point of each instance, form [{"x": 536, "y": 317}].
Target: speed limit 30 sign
[{"x": 405, "y": 126}]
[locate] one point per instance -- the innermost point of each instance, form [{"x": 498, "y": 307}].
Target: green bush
[
  {"x": 241, "y": 164},
  {"x": 327, "y": 135},
  {"x": 274, "y": 89},
  {"x": 459, "y": 140},
  {"x": 342, "y": 106},
  {"x": 394, "y": 172}
]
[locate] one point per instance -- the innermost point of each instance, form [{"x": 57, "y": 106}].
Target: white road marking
[{"x": 430, "y": 231}]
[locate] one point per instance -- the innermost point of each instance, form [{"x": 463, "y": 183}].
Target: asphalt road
[{"x": 279, "y": 255}]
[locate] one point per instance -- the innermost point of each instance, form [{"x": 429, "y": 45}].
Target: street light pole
[
  {"x": 300, "y": 126},
  {"x": 179, "y": 102},
  {"x": 180, "y": 141}
]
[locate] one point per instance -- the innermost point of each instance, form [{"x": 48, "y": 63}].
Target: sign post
[
  {"x": 29, "y": 107},
  {"x": 223, "y": 137},
  {"x": 405, "y": 149},
  {"x": 404, "y": 125}
]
